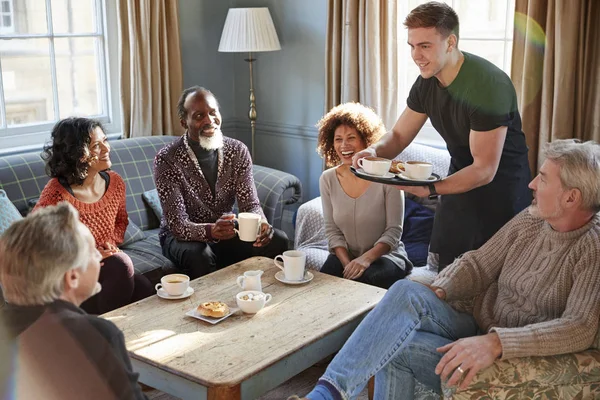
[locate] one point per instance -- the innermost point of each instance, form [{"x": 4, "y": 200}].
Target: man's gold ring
[{"x": 460, "y": 370}]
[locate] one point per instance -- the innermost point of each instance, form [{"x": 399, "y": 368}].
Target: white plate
[
  {"x": 192, "y": 313},
  {"x": 162, "y": 293},
  {"x": 308, "y": 276},
  {"x": 387, "y": 174},
  {"x": 402, "y": 176}
]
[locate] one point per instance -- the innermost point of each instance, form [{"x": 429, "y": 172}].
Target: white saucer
[
  {"x": 192, "y": 313},
  {"x": 402, "y": 176},
  {"x": 162, "y": 293},
  {"x": 308, "y": 276},
  {"x": 387, "y": 175}
]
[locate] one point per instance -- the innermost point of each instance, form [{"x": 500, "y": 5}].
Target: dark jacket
[{"x": 57, "y": 350}]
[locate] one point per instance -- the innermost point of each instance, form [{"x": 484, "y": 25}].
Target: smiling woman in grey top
[{"x": 363, "y": 220}]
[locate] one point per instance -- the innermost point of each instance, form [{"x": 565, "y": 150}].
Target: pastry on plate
[
  {"x": 397, "y": 167},
  {"x": 215, "y": 309}
]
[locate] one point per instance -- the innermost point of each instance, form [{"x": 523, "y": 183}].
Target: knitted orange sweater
[{"x": 106, "y": 218}]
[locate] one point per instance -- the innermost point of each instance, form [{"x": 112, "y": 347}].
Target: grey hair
[
  {"x": 580, "y": 168},
  {"x": 37, "y": 251}
]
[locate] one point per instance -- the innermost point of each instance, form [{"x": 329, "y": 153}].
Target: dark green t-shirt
[{"x": 481, "y": 98}]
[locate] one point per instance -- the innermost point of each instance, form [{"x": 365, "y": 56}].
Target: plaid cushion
[
  {"x": 8, "y": 212},
  {"x": 133, "y": 233},
  {"x": 133, "y": 159},
  {"x": 147, "y": 256},
  {"x": 23, "y": 177},
  {"x": 275, "y": 190},
  {"x": 151, "y": 198}
]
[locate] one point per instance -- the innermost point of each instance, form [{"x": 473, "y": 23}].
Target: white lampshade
[{"x": 249, "y": 30}]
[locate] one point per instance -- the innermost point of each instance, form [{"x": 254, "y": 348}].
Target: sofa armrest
[
  {"x": 310, "y": 233},
  {"x": 536, "y": 377},
  {"x": 276, "y": 189}
]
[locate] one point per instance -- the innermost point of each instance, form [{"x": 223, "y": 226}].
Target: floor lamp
[{"x": 249, "y": 30}]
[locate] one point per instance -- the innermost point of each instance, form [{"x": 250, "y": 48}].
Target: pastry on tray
[
  {"x": 397, "y": 167},
  {"x": 215, "y": 309}
]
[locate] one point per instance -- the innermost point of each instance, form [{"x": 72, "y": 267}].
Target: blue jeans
[{"x": 397, "y": 343}]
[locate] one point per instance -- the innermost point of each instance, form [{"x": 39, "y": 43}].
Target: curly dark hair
[
  {"x": 64, "y": 155},
  {"x": 365, "y": 120},
  {"x": 181, "y": 111}
]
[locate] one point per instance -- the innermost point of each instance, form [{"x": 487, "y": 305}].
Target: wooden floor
[{"x": 301, "y": 384}]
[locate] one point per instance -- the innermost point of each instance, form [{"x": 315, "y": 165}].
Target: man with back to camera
[
  {"x": 49, "y": 347},
  {"x": 473, "y": 106}
]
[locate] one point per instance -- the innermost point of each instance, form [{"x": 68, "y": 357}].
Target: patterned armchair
[{"x": 566, "y": 376}]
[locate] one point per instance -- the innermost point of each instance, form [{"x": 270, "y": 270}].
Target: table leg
[
  {"x": 371, "y": 388},
  {"x": 225, "y": 393}
]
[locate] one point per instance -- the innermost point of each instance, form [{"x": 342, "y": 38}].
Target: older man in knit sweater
[{"x": 531, "y": 290}]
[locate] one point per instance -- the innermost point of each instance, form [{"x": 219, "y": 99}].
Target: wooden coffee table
[{"x": 243, "y": 356}]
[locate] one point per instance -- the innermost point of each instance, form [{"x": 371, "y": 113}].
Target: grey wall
[
  {"x": 200, "y": 25},
  {"x": 289, "y": 84}
]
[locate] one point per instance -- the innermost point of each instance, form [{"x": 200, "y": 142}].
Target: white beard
[{"x": 212, "y": 143}]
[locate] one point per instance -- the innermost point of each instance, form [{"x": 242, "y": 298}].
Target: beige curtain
[
  {"x": 151, "y": 78},
  {"x": 556, "y": 71},
  {"x": 362, "y": 55}
]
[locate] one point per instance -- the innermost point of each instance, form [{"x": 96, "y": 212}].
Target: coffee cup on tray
[
  {"x": 420, "y": 170},
  {"x": 375, "y": 165}
]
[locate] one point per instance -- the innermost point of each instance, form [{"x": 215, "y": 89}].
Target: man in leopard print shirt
[{"x": 198, "y": 178}]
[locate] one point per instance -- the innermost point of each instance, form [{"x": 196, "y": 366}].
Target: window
[
  {"x": 55, "y": 63},
  {"x": 486, "y": 29},
  {"x": 6, "y": 16}
]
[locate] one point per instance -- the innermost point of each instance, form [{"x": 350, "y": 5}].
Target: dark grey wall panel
[{"x": 200, "y": 25}]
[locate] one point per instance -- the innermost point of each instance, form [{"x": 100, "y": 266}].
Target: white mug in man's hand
[{"x": 248, "y": 226}]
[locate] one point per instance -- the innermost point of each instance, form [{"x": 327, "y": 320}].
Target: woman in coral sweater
[{"x": 77, "y": 160}]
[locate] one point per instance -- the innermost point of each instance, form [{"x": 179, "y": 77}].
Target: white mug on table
[
  {"x": 174, "y": 284},
  {"x": 294, "y": 262}
]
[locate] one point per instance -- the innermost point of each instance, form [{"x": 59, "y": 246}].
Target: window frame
[
  {"x": 30, "y": 137},
  {"x": 428, "y": 135}
]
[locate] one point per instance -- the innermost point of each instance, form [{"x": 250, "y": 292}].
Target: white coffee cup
[
  {"x": 418, "y": 169},
  {"x": 375, "y": 165},
  {"x": 294, "y": 262},
  {"x": 174, "y": 284},
  {"x": 248, "y": 226},
  {"x": 255, "y": 301},
  {"x": 250, "y": 280}
]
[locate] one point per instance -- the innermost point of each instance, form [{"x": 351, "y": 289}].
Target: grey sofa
[{"x": 23, "y": 177}]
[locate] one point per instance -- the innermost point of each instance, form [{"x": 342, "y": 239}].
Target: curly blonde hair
[{"x": 365, "y": 120}]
